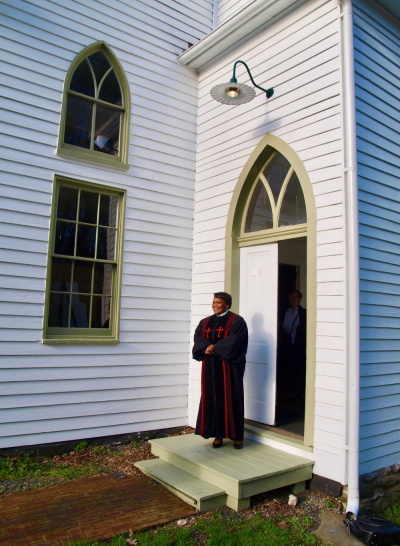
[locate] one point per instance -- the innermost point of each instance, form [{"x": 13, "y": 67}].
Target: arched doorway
[{"x": 270, "y": 251}]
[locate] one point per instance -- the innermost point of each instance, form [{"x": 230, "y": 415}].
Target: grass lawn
[{"x": 219, "y": 528}]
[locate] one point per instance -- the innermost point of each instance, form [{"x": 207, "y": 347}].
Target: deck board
[
  {"x": 254, "y": 461},
  {"x": 191, "y": 460}
]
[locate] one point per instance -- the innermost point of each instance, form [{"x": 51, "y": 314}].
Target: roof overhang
[{"x": 253, "y": 18}]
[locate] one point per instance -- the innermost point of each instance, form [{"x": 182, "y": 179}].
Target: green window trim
[
  {"x": 96, "y": 109},
  {"x": 83, "y": 285}
]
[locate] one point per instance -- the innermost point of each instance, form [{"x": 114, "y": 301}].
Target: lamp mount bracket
[{"x": 268, "y": 92}]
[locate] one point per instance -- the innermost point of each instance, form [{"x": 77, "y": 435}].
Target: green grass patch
[
  {"x": 392, "y": 512},
  {"x": 67, "y": 472},
  {"x": 21, "y": 467},
  {"x": 218, "y": 530}
]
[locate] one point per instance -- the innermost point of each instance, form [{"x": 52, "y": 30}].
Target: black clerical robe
[{"x": 221, "y": 411}]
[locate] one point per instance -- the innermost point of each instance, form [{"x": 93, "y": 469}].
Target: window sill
[
  {"x": 80, "y": 341},
  {"x": 95, "y": 158}
]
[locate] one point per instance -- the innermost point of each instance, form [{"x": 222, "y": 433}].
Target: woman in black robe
[{"x": 220, "y": 342}]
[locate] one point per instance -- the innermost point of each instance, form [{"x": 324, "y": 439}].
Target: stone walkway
[{"x": 87, "y": 509}]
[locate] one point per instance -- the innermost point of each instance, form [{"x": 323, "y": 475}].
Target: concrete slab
[{"x": 333, "y": 532}]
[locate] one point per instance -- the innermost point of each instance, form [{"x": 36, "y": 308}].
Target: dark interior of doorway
[{"x": 289, "y": 405}]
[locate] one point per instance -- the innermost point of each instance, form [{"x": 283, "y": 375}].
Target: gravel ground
[{"x": 118, "y": 460}]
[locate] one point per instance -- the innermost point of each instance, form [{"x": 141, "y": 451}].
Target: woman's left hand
[{"x": 210, "y": 350}]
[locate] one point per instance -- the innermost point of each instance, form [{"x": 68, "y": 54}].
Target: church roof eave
[{"x": 253, "y": 18}]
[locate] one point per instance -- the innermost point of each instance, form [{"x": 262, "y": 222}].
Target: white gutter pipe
[{"x": 352, "y": 261}]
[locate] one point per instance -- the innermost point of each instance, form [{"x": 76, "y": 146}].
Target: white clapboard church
[{"x": 130, "y": 194}]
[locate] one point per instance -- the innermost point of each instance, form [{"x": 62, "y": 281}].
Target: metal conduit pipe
[{"x": 352, "y": 260}]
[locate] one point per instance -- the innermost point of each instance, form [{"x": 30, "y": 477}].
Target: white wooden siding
[
  {"x": 377, "y": 55},
  {"x": 300, "y": 59},
  {"x": 56, "y": 393},
  {"x": 228, "y": 8}
]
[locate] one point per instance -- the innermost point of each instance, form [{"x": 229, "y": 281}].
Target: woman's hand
[{"x": 210, "y": 350}]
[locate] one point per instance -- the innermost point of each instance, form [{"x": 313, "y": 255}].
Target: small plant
[
  {"x": 102, "y": 449},
  {"x": 392, "y": 512},
  {"x": 81, "y": 446},
  {"x": 330, "y": 505}
]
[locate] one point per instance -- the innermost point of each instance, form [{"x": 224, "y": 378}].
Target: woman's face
[{"x": 219, "y": 306}]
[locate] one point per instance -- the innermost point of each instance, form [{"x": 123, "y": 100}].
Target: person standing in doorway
[
  {"x": 220, "y": 342},
  {"x": 292, "y": 347}
]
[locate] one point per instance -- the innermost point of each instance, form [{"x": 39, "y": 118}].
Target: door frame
[{"x": 235, "y": 238}]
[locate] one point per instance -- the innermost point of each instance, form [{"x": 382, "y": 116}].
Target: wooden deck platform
[{"x": 206, "y": 477}]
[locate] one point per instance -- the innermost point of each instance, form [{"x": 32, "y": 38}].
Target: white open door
[{"x": 258, "y": 306}]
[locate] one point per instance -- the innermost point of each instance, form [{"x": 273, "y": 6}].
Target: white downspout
[{"x": 352, "y": 261}]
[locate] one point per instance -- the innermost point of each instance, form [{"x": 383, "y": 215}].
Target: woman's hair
[{"x": 224, "y": 296}]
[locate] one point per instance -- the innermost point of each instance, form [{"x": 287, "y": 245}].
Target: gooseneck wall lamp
[{"x": 237, "y": 93}]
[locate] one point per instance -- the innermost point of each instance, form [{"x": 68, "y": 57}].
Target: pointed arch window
[
  {"x": 277, "y": 198},
  {"x": 96, "y": 107}
]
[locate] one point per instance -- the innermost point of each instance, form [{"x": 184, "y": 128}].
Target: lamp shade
[{"x": 233, "y": 93}]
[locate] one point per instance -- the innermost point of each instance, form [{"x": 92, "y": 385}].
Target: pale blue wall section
[{"x": 377, "y": 54}]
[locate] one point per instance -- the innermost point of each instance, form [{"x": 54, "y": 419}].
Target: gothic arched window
[
  {"x": 95, "y": 111},
  {"x": 277, "y": 198}
]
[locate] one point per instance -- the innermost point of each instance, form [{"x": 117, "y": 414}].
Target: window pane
[
  {"x": 82, "y": 280},
  {"x": 293, "y": 209},
  {"x": 275, "y": 172},
  {"x": 86, "y": 243},
  {"x": 102, "y": 279},
  {"x": 107, "y": 130},
  {"x": 65, "y": 238},
  {"x": 84, "y": 263},
  {"x": 67, "y": 203},
  {"x": 58, "y": 310},
  {"x": 108, "y": 210},
  {"x": 82, "y": 80},
  {"x": 110, "y": 90},
  {"x": 259, "y": 215},
  {"x": 106, "y": 244},
  {"x": 78, "y": 122},
  {"x": 61, "y": 271},
  {"x": 101, "y": 312},
  {"x": 80, "y": 308},
  {"x": 99, "y": 64},
  {"x": 88, "y": 207}
]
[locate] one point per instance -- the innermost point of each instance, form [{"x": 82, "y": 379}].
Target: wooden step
[
  {"x": 255, "y": 469},
  {"x": 200, "y": 494}
]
